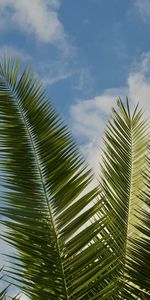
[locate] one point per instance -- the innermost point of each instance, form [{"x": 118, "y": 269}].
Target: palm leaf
[
  {"x": 125, "y": 148},
  {"x": 45, "y": 205}
]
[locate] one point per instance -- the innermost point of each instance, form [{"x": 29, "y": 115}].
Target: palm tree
[{"x": 72, "y": 242}]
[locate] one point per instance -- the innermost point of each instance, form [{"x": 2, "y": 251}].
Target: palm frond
[
  {"x": 124, "y": 161},
  {"x": 45, "y": 205}
]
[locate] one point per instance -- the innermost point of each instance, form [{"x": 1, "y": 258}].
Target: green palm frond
[
  {"x": 124, "y": 161},
  {"x": 44, "y": 205}
]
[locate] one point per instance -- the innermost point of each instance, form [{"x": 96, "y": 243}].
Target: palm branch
[
  {"x": 44, "y": 204},
  {"x": 122, "y": 180}
]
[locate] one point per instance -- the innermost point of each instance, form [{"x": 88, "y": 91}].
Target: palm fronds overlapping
[{"x": 71, "y": 243}]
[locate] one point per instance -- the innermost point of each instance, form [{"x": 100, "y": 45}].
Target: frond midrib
[{"x": 130, "y": 183}]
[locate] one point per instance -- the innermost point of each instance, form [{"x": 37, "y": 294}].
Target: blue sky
[{"x": 86, "y": 52}]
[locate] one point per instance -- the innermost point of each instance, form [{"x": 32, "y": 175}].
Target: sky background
[{"x": 87, "y": 53}]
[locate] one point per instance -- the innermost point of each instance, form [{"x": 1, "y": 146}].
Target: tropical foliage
[{"x": 73, "y": 241}]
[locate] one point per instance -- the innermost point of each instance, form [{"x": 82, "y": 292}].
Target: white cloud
[
  {"x": 143, "y": 7},
  {"x": 89, "y": 116},
  {"x": 139, "y": 83},
  {"x": 39, "y": 17},
  {"x": 89, "y": 119}
]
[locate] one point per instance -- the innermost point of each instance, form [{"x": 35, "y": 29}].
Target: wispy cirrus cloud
[
  {"x": 51, "y": 79},
  {"x": 53, "y": 71},
  {"x": 89, "y": 116},
  {"x": 37, "y": 17},
  {"x": 48, "y": 71}
]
